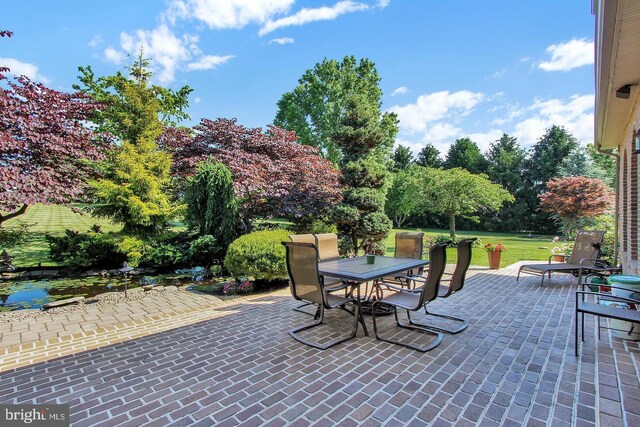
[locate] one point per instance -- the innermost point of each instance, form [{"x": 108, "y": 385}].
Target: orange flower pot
[
  {"x": 494, "y": 259},
  {"x": 558, "y": 258}
]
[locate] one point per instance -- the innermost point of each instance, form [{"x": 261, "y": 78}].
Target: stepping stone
[{"x": 63, "y": 302}]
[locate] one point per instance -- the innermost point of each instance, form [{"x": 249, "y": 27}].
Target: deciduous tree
[
  {"x": 316, "y": 107},
  {"x": 543, "y": 164},
  {"x": 403, "y": 196},
  {"x": 272, "y": 173},
  {"x": 46, "y": 148},
  {"x": 573, "y": 198},
  {"x": 456, "y": 192}
]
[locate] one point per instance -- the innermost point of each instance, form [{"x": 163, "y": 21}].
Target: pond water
[{"x": 29, "y": 294}]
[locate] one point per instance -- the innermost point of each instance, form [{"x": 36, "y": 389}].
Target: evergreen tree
[
  {"x": 506, "y": 166},
  {"x": 212, "y": 208},
  {"x": 464, "y": 153},
  {"x": 544, "y": 163},
  {"x": 429, "y": 156},
  {"x": 134, "y": 188},
  {"x": 579, "y": 162},
  {"x": 402, "y": 158},
  {"x": 360, "y": 218}
]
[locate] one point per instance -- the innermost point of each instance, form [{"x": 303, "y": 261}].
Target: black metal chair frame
[
  {"x": 436, "y": 270},
  {"x": 324, "y": 305},
  {"x": 599, "y": 310},
  {"x": 456, "y": 283},
  {"x": 332, "y": 288}
]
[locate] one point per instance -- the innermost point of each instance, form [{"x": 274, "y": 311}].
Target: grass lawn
[
  {"x": 519, "y": 247},
  {"x": 55, "y": 219}
]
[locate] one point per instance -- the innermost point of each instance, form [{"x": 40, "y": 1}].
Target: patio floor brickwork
[{"x": 514, "y": 365}]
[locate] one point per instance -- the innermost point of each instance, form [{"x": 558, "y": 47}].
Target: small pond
[{"x": 33, "y": 294}]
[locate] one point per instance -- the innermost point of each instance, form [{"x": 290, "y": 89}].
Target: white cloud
[
  {"x": 168, "y": 52},
  {"x": 383, "y": 3},
  {"x": 435, "y": 106},
  {"x": 399, "y": 90},
  {"x": 567, "y": 56},
  {"x": 499, "y": 73},
  {"x": 114, "y": 55},
  {"x": 95, "y": 41},
  {"x": 485, "y": 139},
  {"x": 197, "y": 100},
  {"x": 575, "y": 114},
  {"x": 305, "y": 16},
  {"x": 222, "y": 14},
  {"x": 208, "y": 62},
  {"x": 281, "y": 40},
  {"x": 19, "y": 68}
]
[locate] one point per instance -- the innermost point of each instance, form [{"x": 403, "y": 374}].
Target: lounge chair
[
  {"x": 586, "y": 247},
  {"x": 413, "y": 300},
  {"x": 306, "y": 284}
]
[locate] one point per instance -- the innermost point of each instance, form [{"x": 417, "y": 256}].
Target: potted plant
[
  {"x": 561, "y": 252},
  {"x": 495, "y": 253}
]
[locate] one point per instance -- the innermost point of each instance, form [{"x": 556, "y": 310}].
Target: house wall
[{"x": 629, "y": 203}]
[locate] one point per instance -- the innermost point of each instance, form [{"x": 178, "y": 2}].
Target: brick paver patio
[{"x": 514, "y": 365}]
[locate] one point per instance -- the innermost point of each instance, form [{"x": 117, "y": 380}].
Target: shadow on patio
[{"x": 513, "y": 365}]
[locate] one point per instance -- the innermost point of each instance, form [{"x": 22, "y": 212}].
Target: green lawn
[
  {"x": 55, "y": 219},
  {"x": 50, "y": 220},
  {"x": 519, "y": 247}
]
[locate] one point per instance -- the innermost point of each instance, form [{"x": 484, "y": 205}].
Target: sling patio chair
[
  {"x": 409, "y": 244},
  {"x": 307, "y": 285},
  {"x": 413, "y": 300},
  {"x": 327, "y": 244},
  {"x": 325, "y": 247},
  {"x": 452, "y": 285},
  {"x": 585, "y": 254}
]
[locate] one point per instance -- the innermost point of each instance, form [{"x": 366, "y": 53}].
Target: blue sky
[{"x": 449, "y": 68}]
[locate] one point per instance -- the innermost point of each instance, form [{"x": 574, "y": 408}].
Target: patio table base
[{"x": 382, "y": 309}]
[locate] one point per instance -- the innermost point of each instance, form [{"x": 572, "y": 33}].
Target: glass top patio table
[{"x": 358, "y": 270}]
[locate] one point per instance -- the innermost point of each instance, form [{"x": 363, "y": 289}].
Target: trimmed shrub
[
  {"x": 259, "y": 254},
  {"x": 85, "y": 250}
]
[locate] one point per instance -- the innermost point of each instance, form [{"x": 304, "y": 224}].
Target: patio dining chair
[
  {"x": 325, "y": 247},
  {"x": 413, "y": 300},
  {"x": 585, "y": 253},
  {"x": 409, "y": 244},
  {"x": 453, "y": 285},
  {"x": 307, "y": 285}
]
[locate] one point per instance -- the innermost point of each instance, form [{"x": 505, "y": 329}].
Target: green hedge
[{"x": 259, "y": 254}]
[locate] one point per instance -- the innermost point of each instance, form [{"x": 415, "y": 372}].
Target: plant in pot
[
  {"x": 560, "y": 253},
  {"x": 495, "y": 253}
]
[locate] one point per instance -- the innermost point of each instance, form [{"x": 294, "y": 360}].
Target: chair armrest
[
  {"x": 608, "y": 296},
  {"x": 582, "y": 261},
  {"x": 395, "y": 288}
]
